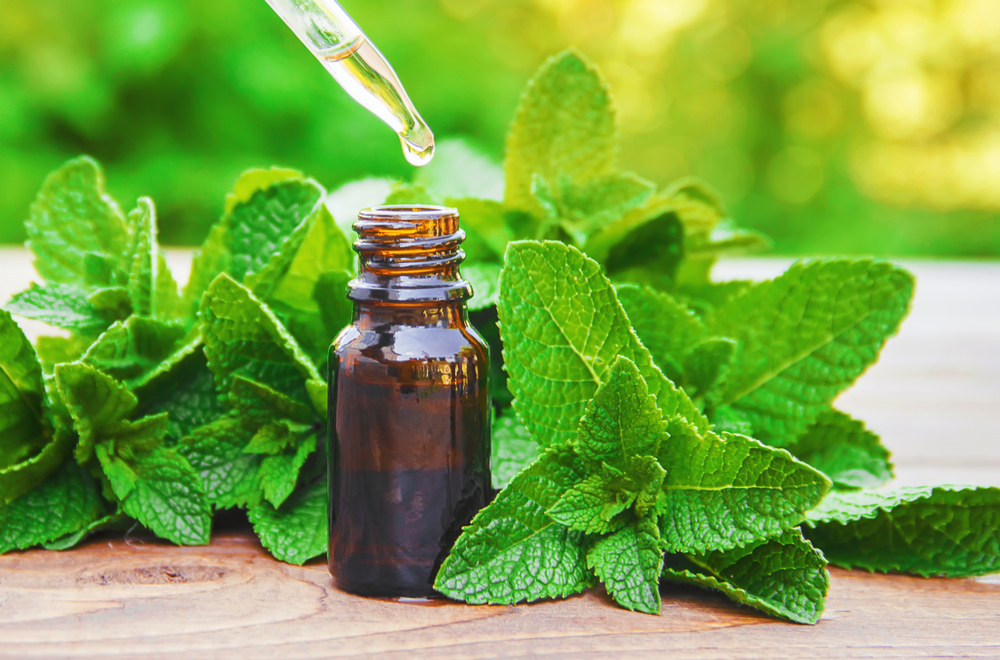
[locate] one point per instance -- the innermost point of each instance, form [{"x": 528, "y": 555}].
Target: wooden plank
[
  {"x": 934, "y": 397},
  {"x": 231, "y": 600}
]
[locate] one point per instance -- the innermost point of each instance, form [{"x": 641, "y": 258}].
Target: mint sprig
[{"x": 651, "y": 424}]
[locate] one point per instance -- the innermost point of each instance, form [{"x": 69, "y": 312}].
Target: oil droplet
[{"x": 365, "y": 74}]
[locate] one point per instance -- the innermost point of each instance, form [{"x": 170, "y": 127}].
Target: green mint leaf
[
  {"x": 279, "y": 474},
  {"x": 256, "y": 179},
  {"x": 460, "y": 170},
  {"x": 130, "y": 349},
  {"x": 111, "y": 521},
  {"x": 324, "y": 250},
  {"x": 260, "y": 226},
  {"x": 66, "y": 502},
  {"x": 646, "y": 246},
  {"x": 99, "y": 405},
  {"x": 592, "y": 505},
  {"x": 143, "y": 251},
  {"x": 186, "y": 391},
  {"x": 228, "y": 474},
  {"x": 113, "y": 302},
  {"x": 298, "y": 530},
  {"x": 513, "y": 551},
  {"x": 844, "y": 450},
  {"x": 564, "y": 127},
  {"x": 166, "y": 300},
  {"x": 161, "y": 490},
  {"x": 806, "y": 336},
  {"x": 24, "y": 429},
  {"x": 592, "y": 205},
  {"x": 949, "y": 530},
  {"x": 260, "y": 403},
  {"x": 562, "y": 328},
  {"x": 61, "y": 305},
  {"x": 707, "y": 364},
  {"x": 483, "y": 277},
  {"x": 55, "y": 350},
  {"x": 720, "y": 493},
  {"x": 784, "y": 576},
  {"x": 485, "y": 224},
  {"x": 622, "y": 420},
  {"x": 74, "y": 216},
  {"x": 19, "y": 478},
  {"x": 212, "y": 259},
  {"x": 512, "y": 449},
  {"x": 243, "y": 337},
  {"x": 629, "y": 562},
  {"x": 666, "y": 327}
]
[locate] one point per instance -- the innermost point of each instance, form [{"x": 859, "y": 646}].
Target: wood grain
[
  {"x": 934, "y": 397},
  {"x": 231, "y": 599}
]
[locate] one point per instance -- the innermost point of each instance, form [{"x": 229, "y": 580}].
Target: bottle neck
[
  {"x": 448, "y": 314},
  {"x": 409, "y": 254}
]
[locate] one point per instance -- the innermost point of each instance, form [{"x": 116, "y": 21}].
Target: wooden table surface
[{"x": 934, "y": 397}]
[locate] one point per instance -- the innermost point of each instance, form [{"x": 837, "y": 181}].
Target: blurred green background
[{"x": 847, "y": 127}]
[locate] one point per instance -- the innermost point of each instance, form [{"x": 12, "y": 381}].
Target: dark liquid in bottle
[{"x": 412, "y": 456}]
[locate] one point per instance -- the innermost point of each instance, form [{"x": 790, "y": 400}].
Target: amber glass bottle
[{"x": 409, "y": 406}]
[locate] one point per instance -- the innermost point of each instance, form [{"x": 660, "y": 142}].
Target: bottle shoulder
[{"x": 404, "y": 343}]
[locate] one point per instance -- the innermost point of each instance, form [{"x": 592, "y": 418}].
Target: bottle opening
[{"x": 409, "y": 253}]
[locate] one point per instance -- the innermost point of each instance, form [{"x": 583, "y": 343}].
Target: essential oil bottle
[{"x": 409, "y": 406}]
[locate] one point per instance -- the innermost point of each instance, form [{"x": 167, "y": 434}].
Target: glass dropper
[{"x": 353, "y": 60}]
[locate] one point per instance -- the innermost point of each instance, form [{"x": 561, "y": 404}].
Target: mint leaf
[
  {"x": 216, "y": 452},
  {"x": 61, "y": 305},
  {"x": 564, "y": 127},
  {"x": 949, "y": 530},
  {"x": 67, "y": 501},
  {"x": 279, "y": 474},
  {"x": 243, "y": 337},
  {"x": 166, "y": 301},
  {"x": 259, "y": 403},
  {"x": 512, "y": 449},
  {"x": 666, "y": 327},
  {"x": 512, "y": 550},
  {"x": 55, "y": 350},
  {"x": 844, "y": 450},
  {"x": 460, "y": 170},
  {"x": 99, "y": 405},
  {"x": 720, "y": 493},
  {"x": 260, "y": 226},
  {"x": 159, "y": 488},
  {"x": 128, "y": 350},
  {"x": 213, "y": 258},
  {"x": 621, "y": 421},
  {"x": 23, "y": 427},
  {"x": 298, "y": 530},
  {"x": 73, "y": 217},
  {"x": 19, "y": 478},
  {"x": 646, "y": 245},
  {"x": 562, "y": 328},
  {"x": 592, "y": 205},
  {"x": 143, "y": 251},
  {"x": 784, "y": 576},
  {"x": 113, "y": 520},
  {"x": 335, "y": 308},
  {"x": 806, "y": 336},
  {"x": 324, "y": 250},
  {"x": 628, "y": 562},
  {"x": 592, "y": 505},
  {"x": 255, "y": 179},
  {"x": 187, "y": 393},
  {"x": 706, "y": 366}
]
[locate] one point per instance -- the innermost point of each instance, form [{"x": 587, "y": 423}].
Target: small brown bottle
[{"x": 409, "y": 406}]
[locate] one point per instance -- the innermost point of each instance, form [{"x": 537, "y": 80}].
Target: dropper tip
[{"x": 415, "y": 154}]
